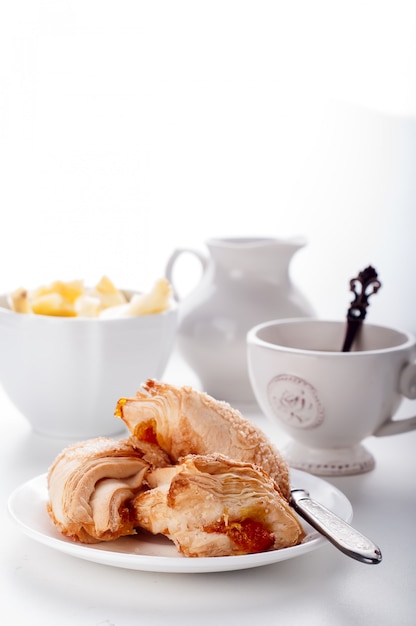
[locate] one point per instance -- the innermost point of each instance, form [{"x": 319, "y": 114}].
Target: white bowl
[{"x": 65, "y": 375}]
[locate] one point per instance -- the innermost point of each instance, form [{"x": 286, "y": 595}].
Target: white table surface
[{"x": 43, "y": 587}]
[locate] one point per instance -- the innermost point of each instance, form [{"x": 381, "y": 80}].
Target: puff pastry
[
  {"x": 91, "y": 486},
  {"x": 192, "y": 469},
  {"x": 213, "y": 506},
  {"x": 182, "y": 421}
]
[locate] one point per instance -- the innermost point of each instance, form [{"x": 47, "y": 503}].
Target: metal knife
[{"x": 336, "y": 530}]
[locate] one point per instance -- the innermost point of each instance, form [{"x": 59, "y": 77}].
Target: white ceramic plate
[{"x": 27, "y": 505}]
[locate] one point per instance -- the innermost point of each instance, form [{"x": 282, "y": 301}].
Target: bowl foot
[{"x": 332, "y": 462}]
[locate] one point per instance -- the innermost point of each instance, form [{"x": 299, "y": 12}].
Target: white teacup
[
  {"x": 65, "y": 375},
  {"x": 326, "y": 400}
]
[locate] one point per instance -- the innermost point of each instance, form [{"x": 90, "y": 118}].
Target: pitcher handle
[
  {"x": 407, "y": 386},
  {"x": 172, "y": 261}
]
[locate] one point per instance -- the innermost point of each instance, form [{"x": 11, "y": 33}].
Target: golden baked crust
[
  {"x": 91, "y": 485},
  {"x": 213, "y": 506},
  {"x": 184, "y": 421}
]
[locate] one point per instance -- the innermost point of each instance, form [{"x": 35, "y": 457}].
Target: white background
[{"x": 130, "y": 128}]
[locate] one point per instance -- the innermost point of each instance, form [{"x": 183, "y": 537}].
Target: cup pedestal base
[{"x": 332, "y": 462}]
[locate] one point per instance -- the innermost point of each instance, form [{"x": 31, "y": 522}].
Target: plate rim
[{"x": 162, "y": 563}]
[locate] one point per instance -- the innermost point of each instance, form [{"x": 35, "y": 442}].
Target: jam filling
[
  {"x": 146, "y": 431},
  {"x": 249, "y": 535}
]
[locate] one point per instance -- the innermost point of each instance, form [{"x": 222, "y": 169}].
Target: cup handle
[
  {"x": 172, "y": 261},
  {"x": 407, "y": 387}
]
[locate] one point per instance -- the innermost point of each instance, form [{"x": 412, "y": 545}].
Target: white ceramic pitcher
[{"x": 244, "y": 281}]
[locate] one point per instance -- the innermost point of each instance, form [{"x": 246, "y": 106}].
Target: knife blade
[{"x": 343, "y": 536}]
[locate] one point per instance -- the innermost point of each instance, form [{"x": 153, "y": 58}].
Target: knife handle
[{"x": 336, "y": 530}]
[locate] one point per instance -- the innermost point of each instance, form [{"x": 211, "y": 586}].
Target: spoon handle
[
  {"x": 363, "y": 286},
  {"x": 336, "y": 530},
  {"x": 353, "y": 326}
]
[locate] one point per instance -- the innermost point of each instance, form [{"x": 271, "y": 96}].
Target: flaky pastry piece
[
  {"x": 91, "y": 485},
  {"x": 213, "y": 506},
  {"x": 182, "y": 421}
]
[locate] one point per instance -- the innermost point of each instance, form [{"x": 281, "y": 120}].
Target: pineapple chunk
[
  {"x": 107, "y": 294},
  {"x": 57, "y": 299},
  {"x": 52, "y": 304},
  {"x": 18, "y": 301},
  {"x": 156, "y": 301},
  {"x": 87, "y": 306},
  {"x": 106, "y": 286},
  {"x": 69, "y": 291}
]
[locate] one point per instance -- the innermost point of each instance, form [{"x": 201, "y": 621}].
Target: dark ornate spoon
[{"x": 363, "y": 286}]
